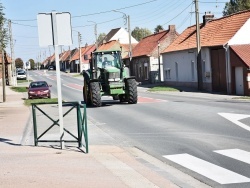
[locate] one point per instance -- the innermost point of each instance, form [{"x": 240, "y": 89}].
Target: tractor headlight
[
  {"x": 111, "y": 79},
  {"x": 117, "y": 79}
]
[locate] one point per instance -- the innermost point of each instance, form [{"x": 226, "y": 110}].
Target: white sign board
[
  {"x": 27, "y": 65},
  {"x": 45, "y": 29}
]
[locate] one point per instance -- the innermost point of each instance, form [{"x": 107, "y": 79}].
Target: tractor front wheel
[
  {"x": 95, "y": 94},
  {"x": 131, "y": 88}
]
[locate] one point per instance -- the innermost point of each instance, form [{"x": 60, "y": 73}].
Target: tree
[
  {"x": 100, "y": 38},
  {"x": 3, "y": 31},
  {"x": 139, "y": 33},
  {"x": 235, "y": 6},
  {"x": 158, "y": 28},
  {"x": 19, "y": 63},
  {"x": 32, "y": 64}
]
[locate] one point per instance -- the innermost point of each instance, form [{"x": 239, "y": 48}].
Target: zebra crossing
[{"x": 214, "y": 172}]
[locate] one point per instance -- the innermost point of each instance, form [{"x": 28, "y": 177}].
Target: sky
[{"x": 85, "y": 14}]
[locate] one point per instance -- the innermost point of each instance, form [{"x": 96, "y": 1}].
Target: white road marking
[
  {"x": 209, "y": 170},
  {"x": 237, "y": 154},
  {"x": 235, "y": 119}
]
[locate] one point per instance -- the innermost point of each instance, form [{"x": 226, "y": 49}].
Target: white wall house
[
  {"x": 180, "y": 67},
  {"x": 224, "y": 59},
  {"x": 122, "y": 36}
]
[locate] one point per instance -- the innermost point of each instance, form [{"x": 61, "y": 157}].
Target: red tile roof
[
  {"x": 52, "y": 58},
  {"x": 64, "y": 55},
  {"x": 243, "y": 52},
  {"x": 110, "y": 46},
  {"x": 148, "y": 44},
  {"x": 216, "y": 32},
  {"x": 125, "y": 49},
  {"x": 84, "y": 51},
  {"x": 87, "y": 51}
]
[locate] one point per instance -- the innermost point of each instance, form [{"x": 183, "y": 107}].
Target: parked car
[
  {"x": 21, "y": 75},
  {"x": 39, "y": 89},
  {"x": 51, "y": 67}
]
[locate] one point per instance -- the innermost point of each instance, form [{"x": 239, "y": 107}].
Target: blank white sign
[{"x": 46, "y": 33}]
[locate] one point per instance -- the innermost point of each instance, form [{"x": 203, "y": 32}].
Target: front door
[
  {"x": 239, "y": 81},
  {"x": 218, "y": 64}
]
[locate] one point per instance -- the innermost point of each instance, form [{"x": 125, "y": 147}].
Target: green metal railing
[{"x": 82, "y": 130}]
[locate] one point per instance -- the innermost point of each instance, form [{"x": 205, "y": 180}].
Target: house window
[
  {"x": 192, "y": 70},
  {"x": 140, "y": 72},
  {"x": 176, "y": 71},
  {"x": 167, "y": 74},
  {"x": 204, "y": 68}
]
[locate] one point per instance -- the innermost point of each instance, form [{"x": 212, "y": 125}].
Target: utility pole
[
  {"x": 129, "y": 36},
  {"x": 159, "y": 62},
  {"x": 96, "y": 43},
  {"x": 80, "y": 51},
  {"x": 14, "y": 81},
  {"x": 95, "y": 31},
  {"x": 127, "y": 20},
  {"x": 3, "y": 76},
  {"x": 199, "y": 65}
]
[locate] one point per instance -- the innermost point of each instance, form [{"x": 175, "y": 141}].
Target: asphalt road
[{"x": 204, "y": 136}]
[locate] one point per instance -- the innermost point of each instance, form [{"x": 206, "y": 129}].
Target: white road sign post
[{"x": 55, "y": 29}]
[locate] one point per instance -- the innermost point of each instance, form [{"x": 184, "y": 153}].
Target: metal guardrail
[{"x": 82, "y": 130}]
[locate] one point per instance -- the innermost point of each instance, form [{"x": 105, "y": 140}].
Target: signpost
[
  {"x": 55, "y": 29},
  {"x": 27, "y": 67}
]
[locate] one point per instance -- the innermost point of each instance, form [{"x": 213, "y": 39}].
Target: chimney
[
  {"x": 207, "y": 17},
  {"x": 171, "y": 28}
]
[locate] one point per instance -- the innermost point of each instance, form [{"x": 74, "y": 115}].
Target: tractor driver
[{"x": 106, "y": 63}]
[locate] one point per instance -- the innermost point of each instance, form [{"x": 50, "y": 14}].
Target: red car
[{"x": 39, "y": 89}]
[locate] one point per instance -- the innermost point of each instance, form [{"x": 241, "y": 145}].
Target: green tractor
[{"x": 108, "y": 76}]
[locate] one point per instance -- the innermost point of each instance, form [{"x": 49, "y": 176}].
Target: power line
[
  {"x": 159, "y": 14},
  {"x": 98, "y": 23},
  {"x": 25, "y": 20},
  {"x": 211, "y": 2},
  {"x": 115, "y": 9},
  {"x": 23, "y": 24},
  {"x": 178, "y": 14}
]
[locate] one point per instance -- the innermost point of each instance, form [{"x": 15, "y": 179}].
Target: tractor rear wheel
[
  {"x": 131, "y": 88},
  {"x": 95, "y": 94}
]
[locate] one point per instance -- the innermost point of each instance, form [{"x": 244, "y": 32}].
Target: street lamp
[
  {"x": 95, "y": 28},
  {"x": 127, "y": 20},
  {"x": 159, "y": 61},
  {"x": 124, "y": 17}
]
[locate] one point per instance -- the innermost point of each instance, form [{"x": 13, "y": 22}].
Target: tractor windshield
[{"x": 108, "y": 59}]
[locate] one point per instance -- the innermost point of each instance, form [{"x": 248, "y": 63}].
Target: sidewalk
[{"x": 104, "y": 165}]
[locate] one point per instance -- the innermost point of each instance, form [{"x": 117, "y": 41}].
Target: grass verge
[
  {"x": 162, "y": 88},
  {"x": 19, "y": 89},
  {"x": 23, "y": 81},
  {"x": 28, "y": 102}
]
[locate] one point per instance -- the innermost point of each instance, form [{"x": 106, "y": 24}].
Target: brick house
[{"x": 146, "y": 57}]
